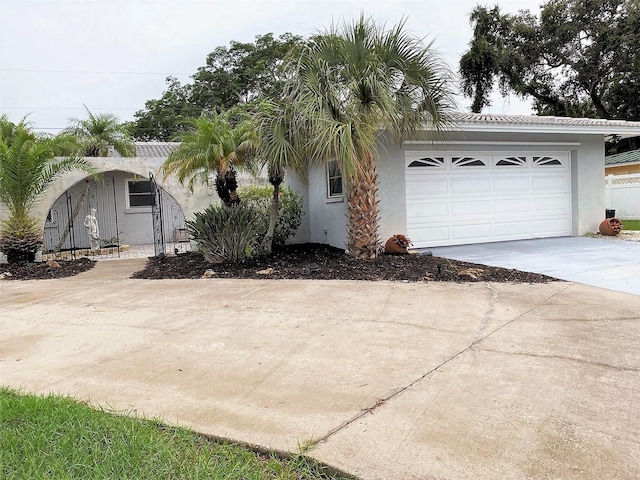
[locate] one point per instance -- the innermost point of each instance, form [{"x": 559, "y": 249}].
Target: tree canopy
[
  {"x": 579, "y": 58},
  {"x": 234, "y": 75}
]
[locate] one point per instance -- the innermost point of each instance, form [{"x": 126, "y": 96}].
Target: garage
[{"x": 456, "y": 198}]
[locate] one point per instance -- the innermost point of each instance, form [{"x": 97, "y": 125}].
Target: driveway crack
[{"x": 381, "y": 401}]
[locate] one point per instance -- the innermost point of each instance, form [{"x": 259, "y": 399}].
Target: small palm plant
[
  {"x": 214, "y": 146},
  {"x": 94, "y": 136},
  {"x": 28, "y": 165}
]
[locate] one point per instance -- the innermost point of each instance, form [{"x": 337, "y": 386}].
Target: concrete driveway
[
  {"x": 605, "y": 263},
  {"x": 383, "y": 380}
]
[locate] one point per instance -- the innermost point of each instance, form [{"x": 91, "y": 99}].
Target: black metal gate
[
  {"x": 169, "y": 227},
  {"x": 86, "y": 211},
  {"x": 156, "y": 214}
]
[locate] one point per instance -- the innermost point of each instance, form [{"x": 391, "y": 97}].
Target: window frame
[
  {"x": 335, "y": 197},
  {"x": 127, "y": 196}
]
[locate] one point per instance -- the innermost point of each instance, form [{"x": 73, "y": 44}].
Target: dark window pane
[
  {"x": 143, "y": 186},
  {"x": 140, "y": 200},
  {"x": 335, "y": 186}
]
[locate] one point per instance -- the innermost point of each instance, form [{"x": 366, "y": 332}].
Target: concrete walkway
[
  {"x": 605, "y": 263},
  {"x": 384, "y": 380}
]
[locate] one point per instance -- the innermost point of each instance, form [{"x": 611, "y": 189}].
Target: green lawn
[
  {"x": 58, "y": 437},
  {"x": 630, "y": 224}
]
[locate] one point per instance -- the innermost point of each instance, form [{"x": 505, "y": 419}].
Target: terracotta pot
[
  {"x": 397, "y": 244},
  {"x": 610, "y": 226}
]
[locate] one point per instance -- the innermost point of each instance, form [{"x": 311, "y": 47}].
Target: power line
[{"x": 26, "y": 70}]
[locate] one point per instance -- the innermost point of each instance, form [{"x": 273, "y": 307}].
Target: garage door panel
[
  {"x": 437, "y": 235},
  {"x": 511, "y": 183},
  {"x": 549, "y": 183},
  {"x": 509, "y": 230},
  {"x": 428, "y": 210},
  {"x": 551, "y": 227},
  {"x": 473, "y": 209},
  {"x": 512, "y": 196},
  {"x": 421, "y": 185},
  {"x": 511, "y": 205},
  {"x": 462, "y": 185},
  {"x": 471, "y": 232},
  {"x": 550, "y": 206}
]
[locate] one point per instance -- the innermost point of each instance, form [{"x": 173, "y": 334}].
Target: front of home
[{"x": 491, "y": 178}]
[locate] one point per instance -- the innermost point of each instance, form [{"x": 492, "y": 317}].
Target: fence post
[{"x": 607, "y": 195}]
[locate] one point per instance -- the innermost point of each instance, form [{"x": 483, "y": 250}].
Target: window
[
  {"x": 334, "y": 180},
  {"x": 139, "y": 194}
]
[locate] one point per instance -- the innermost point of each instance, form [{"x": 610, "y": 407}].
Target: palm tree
[
  {"x": 278, "y": 145},
  {"x": 357, "y": 84},
  {"x": 28, "y": 165},
  {"x": 99, "y": 133},
  {"x": 214, "y": 145}
]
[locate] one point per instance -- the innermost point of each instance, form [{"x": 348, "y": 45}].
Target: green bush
[
  {"x": 289, "y": 210},
  {"x": 227, "y": 234}
]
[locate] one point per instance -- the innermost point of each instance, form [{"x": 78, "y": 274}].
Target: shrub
[
  {"x": 227, "y": 234},
  {"x": 289, "y": 210}
]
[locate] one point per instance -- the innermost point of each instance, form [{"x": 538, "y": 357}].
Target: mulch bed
[
  {"x": 321, "y": 262},
  {"x": 44, "y": 271}
]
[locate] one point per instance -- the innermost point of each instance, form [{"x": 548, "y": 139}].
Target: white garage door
[{"x": 458, "y": 198}]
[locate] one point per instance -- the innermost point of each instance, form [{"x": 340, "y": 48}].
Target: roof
[
  {"x": 543, "y": 124},
  {"x": 151, "y": 149},
  {"x": 632, "y": 156}
]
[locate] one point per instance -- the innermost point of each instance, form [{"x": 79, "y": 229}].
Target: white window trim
[
  {"x": 128, "y": 207},
  {"x": 333, "y": 198}
]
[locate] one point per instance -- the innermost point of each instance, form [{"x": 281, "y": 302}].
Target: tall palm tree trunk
[
  {"x": 267, "y": 242},
  {"x": 362, "y": 211}
]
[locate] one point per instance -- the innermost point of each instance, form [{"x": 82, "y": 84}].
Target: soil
[
  {"x": 321, "y": 262},
  {"x": 308, "y": 261},
  {"x": 44, "y": 270}
]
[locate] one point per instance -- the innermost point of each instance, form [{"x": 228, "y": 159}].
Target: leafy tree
[
  {"x": 214, "y": 145},
  {"x": 579, "y": 58},
  {"x": 355, "y": 85},
  {"x": 234, "y": 75},
  {"x": 28, "y": 165}
]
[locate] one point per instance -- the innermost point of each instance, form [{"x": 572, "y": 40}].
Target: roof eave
[{"x": 608, "y": 130}]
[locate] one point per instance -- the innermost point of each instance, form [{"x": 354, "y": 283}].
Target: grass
[
  {"x": 58, "y": 437},
  {"x": 630, "y": 224}
]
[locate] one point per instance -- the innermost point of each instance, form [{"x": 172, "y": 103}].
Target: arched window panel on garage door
[
  {"x": 428, "y": 162},
  {"x": 510, "y": 161},
  {"x": 547, "y": 161},
  {"x": 463, "y": 162}
]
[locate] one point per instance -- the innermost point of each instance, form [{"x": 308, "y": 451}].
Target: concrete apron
[{"x": 385, "y": 380}]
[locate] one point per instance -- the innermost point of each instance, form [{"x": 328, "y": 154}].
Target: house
[
  {"x": 487, "y": 179},
  {"x": 493, "y": 178},
  {"x": 624, "y": 163}
]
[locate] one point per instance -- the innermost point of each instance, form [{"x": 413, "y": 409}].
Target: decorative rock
[
  {"x": 610, "y": 226},
  {"x": 5, "y": 275},
  {"x": 53, "y": 264},
  {"x": 266, "y": 271},
  {"x": 209, "y": 274},
  {"x": 314, "y": 267}
]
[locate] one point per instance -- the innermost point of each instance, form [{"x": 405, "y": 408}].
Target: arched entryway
[{"x": 116, "y": 210}]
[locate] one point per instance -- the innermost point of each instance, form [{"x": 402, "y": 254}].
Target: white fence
[{"x": 622, "y": 193}]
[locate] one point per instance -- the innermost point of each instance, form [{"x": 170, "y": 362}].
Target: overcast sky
[{"x": 113, "y": 55}]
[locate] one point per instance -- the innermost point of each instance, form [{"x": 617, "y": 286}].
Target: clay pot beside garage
[
  {"x": 610, "y": 226},
  {"x": 398, "y": 243}
]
